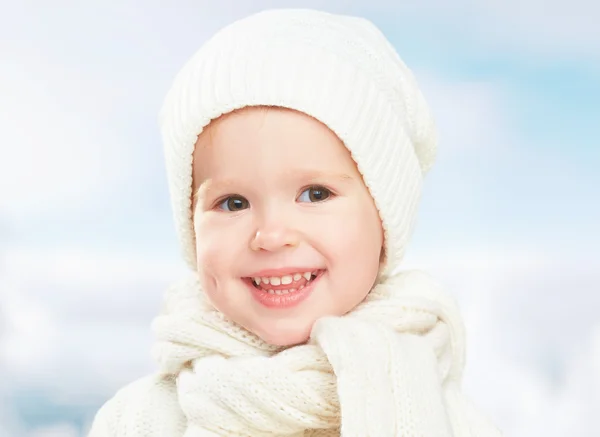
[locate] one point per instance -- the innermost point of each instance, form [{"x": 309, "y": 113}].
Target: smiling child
[{"x": 296, "y": 142}]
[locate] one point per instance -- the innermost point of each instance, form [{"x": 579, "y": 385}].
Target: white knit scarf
[{"x": 391, "y": 367}]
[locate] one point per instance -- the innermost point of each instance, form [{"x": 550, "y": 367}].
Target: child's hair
[{"x": 341, "y": 71}]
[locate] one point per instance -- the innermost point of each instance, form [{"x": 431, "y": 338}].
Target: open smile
[{"x": 284, "y": 291}]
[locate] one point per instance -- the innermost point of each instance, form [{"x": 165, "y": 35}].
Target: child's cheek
[
  {"x": 217, "y": 247},
  {"x": 207, "y": 246}
]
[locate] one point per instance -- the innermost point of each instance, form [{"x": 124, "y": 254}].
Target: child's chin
[{"x": 285, "y": 337}]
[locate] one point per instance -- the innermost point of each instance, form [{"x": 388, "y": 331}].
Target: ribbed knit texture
[
  {"x": 390, "y": 368},
  {"x": 342, "y": 71}
]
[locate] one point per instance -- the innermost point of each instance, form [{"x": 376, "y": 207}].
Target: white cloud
[
  {"x": 77, "y": 321},
  {"x": 55, "y": 147},
  {"x": 470, "y": 116},
  {"x": 576, "y": 408},
  {"x": 30, "y": 335},
  {"x": 532, "y": 333}
]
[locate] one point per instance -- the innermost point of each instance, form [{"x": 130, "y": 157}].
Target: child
[{"x": 296, "y": 142}]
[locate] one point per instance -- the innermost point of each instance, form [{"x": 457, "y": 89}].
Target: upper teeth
[{"x": 285, "y": 280}]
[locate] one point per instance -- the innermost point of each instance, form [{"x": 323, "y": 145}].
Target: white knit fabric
[
  {"x": 238, "y": 385},
  {"x": 339, "y": 69},
  {"x": 393, "y": 365}
]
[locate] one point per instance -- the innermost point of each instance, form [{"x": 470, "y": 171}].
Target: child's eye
[
  {"x": 233, "y": 203},
  {"x": 314, "y": 194}
]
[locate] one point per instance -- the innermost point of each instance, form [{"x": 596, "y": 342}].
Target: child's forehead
[
  {"x": 271, "y": 139},
  {"x": 257, "y": 116},
  {"x": 254, "y": 129}
]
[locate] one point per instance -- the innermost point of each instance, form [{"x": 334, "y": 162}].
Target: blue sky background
[{"x": 509, "y": 217}]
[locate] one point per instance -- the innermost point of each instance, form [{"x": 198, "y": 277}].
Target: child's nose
[{"x": 273, "y": 238}]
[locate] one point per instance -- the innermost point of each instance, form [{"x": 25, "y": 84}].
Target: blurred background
[{"x": 509, "y": 219}]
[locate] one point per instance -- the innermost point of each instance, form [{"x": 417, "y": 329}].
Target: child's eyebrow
[
  {"x": 318, "y": 175},
  {"x": 216, "y": 185},
  {"x": 304, "y": 176}
]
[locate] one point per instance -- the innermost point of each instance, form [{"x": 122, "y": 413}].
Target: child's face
[{"x": 278, "y": 190}]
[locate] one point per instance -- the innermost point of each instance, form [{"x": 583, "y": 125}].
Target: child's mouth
[
  {"x": 286, "y": 283},
  {"x": 284, "y": 291}
]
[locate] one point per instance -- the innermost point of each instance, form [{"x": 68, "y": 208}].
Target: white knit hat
[{"x": 340, "y": 70}]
